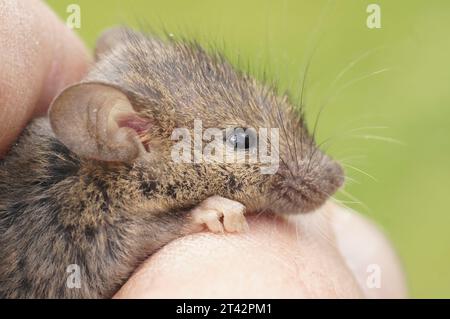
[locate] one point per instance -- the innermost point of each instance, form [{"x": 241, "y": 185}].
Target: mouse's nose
[
  {"x": 312, "y": 182},
  {"x": 333, "y": 174}
]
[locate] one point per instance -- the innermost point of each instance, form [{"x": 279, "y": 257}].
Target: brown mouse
[{"x": 95, "y": 185}]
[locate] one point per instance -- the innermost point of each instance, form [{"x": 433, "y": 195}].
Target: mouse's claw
[{"x": 210, "y": 211}]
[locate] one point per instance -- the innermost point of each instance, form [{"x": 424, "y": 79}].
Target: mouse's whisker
[
  {"x": 287, "y": 142},
  {"x": 379, "y": 138},
  {"x": 277, "y": 199},
  {"x": 350, "y": 159},
  {"x": 331, "y": 96},
  {"x": 353, "y": 198},
  {"x": 319, "y": 225},
  {"x": 347, "y": 134},
  {"x": 349, "y": 180},
  {"x": 352, "y": 63},
  {"x": 294, "y": 128},
  {"x": 360, "y": 171}
]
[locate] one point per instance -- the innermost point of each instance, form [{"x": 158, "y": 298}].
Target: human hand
[
  {"x": 326, "y": 254},
  {"x": 39, "y": 56}
]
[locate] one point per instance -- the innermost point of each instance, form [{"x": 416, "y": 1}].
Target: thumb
[{"x": 40, "y": 56}]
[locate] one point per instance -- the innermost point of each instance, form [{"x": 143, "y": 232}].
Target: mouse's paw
[{"x": 212, "y": 209}]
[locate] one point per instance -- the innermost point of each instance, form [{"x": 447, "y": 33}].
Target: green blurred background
[{"x": 392, "y": 125}]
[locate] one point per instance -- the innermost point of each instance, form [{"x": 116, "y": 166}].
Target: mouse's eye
[{"x": 242, "y": 139}]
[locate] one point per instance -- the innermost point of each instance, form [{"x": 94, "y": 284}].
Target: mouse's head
[{"x": 197, "y": 126}]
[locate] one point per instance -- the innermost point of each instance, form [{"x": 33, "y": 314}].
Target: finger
[
  {"x": 39, "y": 56},
  {"x": 369, "y": 255}
]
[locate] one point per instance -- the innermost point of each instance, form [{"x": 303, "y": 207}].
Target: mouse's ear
[{"x": 97, "y": 121}]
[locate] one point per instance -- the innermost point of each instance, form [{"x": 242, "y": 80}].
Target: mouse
[{"x": 94, "y": 183}]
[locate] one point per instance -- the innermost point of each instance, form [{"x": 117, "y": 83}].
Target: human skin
[{"x": 325, "y": 254}]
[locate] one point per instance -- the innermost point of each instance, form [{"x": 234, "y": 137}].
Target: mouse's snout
[{"x": 308, "y": 184}]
